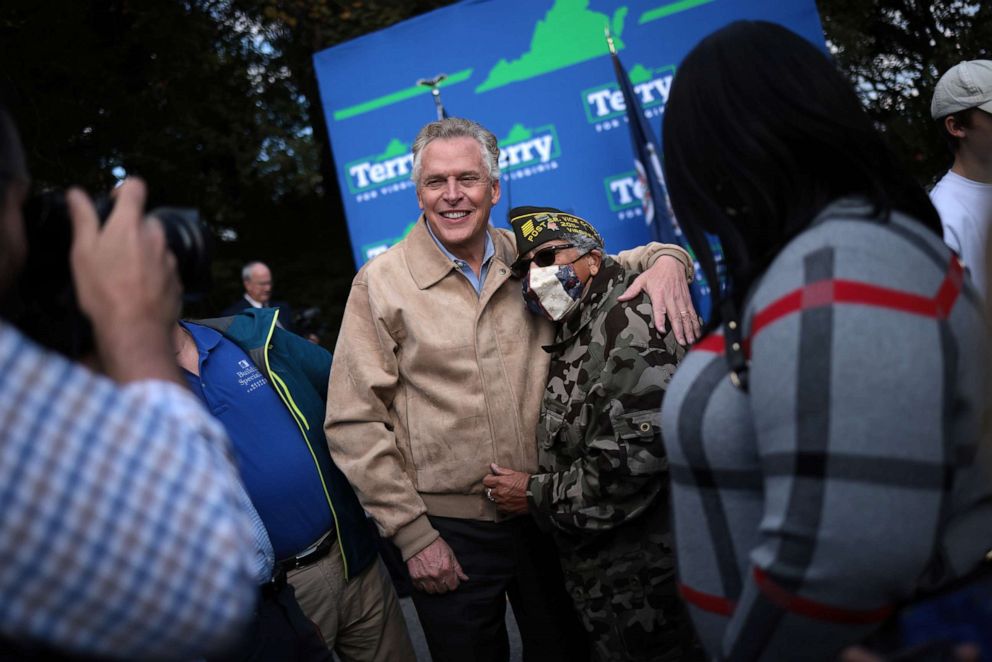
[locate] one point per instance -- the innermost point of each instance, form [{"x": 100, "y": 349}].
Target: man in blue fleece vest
[{"x": 268, "y": 387}]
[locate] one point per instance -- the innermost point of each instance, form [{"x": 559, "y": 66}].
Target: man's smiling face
[{"x": 457, "y": 194}]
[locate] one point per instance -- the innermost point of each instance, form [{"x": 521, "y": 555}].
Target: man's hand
[
  {"x": 126, "y": 283},
  {"x": 434, "y": 569},
  {"x": 666, "y": 286},
  {"x": 507, "y": 489}
]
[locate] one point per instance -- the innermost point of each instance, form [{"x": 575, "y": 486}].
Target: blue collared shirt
[{"x": 463, "y": 267}]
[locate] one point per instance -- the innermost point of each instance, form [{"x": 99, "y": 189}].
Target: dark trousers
[
  {"x": 280, "y": 631},
  {"x": 511, "y": 559}
]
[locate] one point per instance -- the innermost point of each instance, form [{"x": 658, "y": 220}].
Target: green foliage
[
  {"x": 214, "y": 103},
  {"x": 894, "y": 51},
  {"x": 178, "y": 93}
]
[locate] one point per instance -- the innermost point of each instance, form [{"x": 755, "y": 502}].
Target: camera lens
[{"x": 43, "y": 305}]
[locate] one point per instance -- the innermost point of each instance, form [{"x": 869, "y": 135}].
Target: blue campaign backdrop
[{"x": 538, "y": 74}]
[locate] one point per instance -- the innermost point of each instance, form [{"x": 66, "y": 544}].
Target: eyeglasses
[{"x": 542, "y": 258}]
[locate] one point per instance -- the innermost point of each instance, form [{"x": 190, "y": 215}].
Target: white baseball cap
[{"x": 965, "y": 85}]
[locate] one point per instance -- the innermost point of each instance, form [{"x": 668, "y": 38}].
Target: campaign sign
[{"x": 538, "y": 74}]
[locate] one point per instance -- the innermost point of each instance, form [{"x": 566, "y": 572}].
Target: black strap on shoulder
[{"x": 734, "y": 344}]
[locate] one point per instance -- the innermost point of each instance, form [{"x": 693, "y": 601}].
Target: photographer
[{"x": 126, "y": 532}]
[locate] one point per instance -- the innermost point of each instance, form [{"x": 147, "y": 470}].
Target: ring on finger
[{"x": 489, "y": 494}]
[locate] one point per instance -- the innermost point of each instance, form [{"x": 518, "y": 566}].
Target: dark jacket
[
  {"x": 298, "y": 370},
  {"x": 285, "y": 311}
]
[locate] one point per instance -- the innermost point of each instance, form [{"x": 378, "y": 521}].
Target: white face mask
[{"x": 552, "y": 291}]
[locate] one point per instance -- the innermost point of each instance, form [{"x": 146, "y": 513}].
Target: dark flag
[{"x": 657, "y": 209}]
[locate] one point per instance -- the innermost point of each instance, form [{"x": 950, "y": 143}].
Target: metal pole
[{"x": 433, "y": 83}]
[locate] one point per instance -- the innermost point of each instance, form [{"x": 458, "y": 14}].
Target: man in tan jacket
[{"x": 439, "y": 374}]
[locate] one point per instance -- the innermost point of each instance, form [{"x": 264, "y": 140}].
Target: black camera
[{"x": 44, "y": 302}]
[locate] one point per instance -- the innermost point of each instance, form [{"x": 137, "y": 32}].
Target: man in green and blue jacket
[{"x": 268, "y": 387}]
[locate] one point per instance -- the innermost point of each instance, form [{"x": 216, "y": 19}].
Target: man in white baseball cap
[{"x": 962, "y": 106}]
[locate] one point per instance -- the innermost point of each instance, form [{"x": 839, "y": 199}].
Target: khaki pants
[{"x": 360, "y": 619}]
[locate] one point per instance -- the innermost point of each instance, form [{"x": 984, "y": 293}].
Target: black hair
[{"x": 761, "y": 132}]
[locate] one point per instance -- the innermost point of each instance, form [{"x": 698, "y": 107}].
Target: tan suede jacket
[{"x": 431, "y": 383}]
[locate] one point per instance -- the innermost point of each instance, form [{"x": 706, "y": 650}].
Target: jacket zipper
[{"x": 301, "y": 422}]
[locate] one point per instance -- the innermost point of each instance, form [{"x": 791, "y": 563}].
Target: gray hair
[
  {"x": 246, "y": 270},
  {"x": 457, "y": 127}
]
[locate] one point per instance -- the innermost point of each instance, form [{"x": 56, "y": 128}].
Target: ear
[
  {"x": 420, "y": 201},
  {"x": 496, "y": 190},
  {"x": 595, "y": 260},
  {"x": 954, "y": 126}
]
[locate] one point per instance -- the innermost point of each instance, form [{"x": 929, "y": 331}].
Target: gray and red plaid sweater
[{"x": 851, "y": 470}]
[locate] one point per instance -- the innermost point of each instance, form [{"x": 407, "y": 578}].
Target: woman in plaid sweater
[{"x": 823, "y": 438}]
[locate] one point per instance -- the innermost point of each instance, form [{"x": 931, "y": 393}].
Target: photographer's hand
[{"x": 127, "y": 285}]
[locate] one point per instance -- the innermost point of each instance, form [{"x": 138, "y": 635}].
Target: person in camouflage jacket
[{"x": 602, "y": 486}]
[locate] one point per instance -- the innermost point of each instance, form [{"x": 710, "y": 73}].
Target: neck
[
  {"x": 187, "y": 356},
  {"x": 472, "y": 253},
  {"x": 471, "y": 256},
  {"x": 976, "y": 167}
]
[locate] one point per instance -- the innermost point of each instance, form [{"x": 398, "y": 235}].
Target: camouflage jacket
[{"x": 601, "y": 456}]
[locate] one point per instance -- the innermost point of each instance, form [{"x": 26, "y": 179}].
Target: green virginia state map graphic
[
  {"x": 379, "y": 169},
  {"x": 568, "y": 34},
  {"x": 518, "y": 133},
  {"x": 639, "y": 74}
]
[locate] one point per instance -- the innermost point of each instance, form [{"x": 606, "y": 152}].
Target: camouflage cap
[{"x": 534, "y": 226}]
